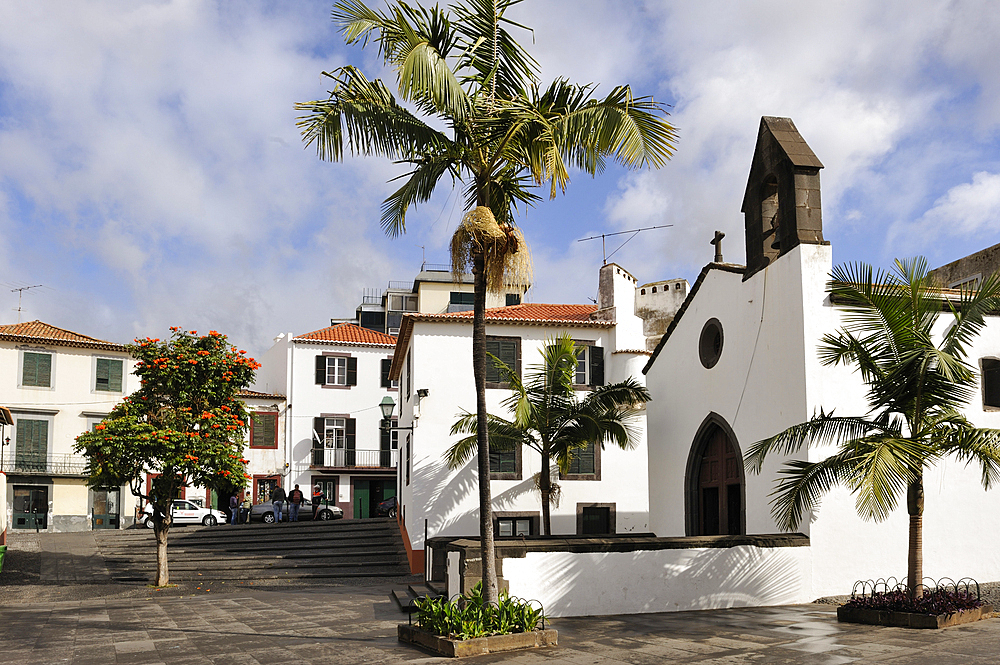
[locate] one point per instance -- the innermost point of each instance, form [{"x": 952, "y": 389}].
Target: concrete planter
[
  {"x": 451, "y": 648},
  {"x": 909, "y": 620}
]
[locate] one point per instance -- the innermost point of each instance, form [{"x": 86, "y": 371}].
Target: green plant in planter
[{"x": 469, "y": 617}]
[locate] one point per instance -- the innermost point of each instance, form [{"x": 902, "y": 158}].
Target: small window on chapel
[
  {"x": 710, "y": 343},
  {"x": 991, "y": 382}
]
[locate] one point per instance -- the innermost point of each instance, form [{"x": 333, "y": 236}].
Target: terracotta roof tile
[
  {"x": 253, "y": 394},
  {"x": 347, "y": 333},
  {"x": 533, "y": 312},
  {"x": 39, "y": 331}
]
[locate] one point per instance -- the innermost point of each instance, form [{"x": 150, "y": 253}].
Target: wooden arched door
[{"x": 719, "y": 486}]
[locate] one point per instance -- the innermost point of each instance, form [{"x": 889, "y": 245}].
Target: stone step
[
  {"x": 342, "y": 548},
  {"x": 251, "y": 548},
  {"x": 271, "y": 574}
]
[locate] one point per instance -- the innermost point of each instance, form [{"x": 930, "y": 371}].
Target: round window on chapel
[{"x": 710, "y": 344}]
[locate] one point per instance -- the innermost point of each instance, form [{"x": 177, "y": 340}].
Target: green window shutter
[
  {"x": 352, "y": 371},
  {"x": 583, "y": 460},
  {"x": 32, "y": 444},
  {"x": 596, "y": 366},
  {"x": 256, "y": 429},
  {"x": 320, "y": 370},
  {"x": 109, "y": 375},
  {"x": 116, "y": 370},
  {"x": 386, "y": 366},
  {"x": 264, "y": 430},
  {"x": 492, "y": 373},
  {"x": 271, "y": 429},
  {"x": 351, "y": 432},
  {"x": 36, "y": 370}
]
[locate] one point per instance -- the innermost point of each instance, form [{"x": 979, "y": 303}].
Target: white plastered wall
[
  {"x": 449, "y": 500},
  {"x": 768, "y": 378}
]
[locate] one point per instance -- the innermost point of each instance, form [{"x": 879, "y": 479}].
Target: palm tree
[
  {"x": 917, "y": 379},
  {"x": 550, "y": 418},
  {"x": 504, "y": 135}
]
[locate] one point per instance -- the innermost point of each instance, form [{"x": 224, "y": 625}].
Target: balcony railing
[
  {"x": 354, "y": 459},
  {"x": 61, "y": 464}
]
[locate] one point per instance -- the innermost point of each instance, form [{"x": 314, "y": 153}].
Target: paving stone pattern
[
  {"x": 347, "y": 625},
  {"x": 52, "y": 616}
]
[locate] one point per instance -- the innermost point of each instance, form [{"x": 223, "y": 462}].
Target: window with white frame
[
  {"x": 589, "y": 365},
  {"x": 336, "y": 370},
  {"x": 108, "y": 375}
]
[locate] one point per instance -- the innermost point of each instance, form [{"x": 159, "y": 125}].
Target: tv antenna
[
  {"x": 20, "y": 291},
  {"x": 634, "y": 233}
]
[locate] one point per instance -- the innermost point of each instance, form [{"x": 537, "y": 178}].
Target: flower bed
[
  {"x": 935, "y": 609},
  {"x": 466, "y": 626}
]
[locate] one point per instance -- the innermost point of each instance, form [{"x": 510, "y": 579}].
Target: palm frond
[
  {"x": 823, "y": 428},
  {"x": 418, "y": 188},
  {"x": 364, "y": 115}
]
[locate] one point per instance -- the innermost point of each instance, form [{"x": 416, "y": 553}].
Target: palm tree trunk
[
  {"x": 915, "y": 558},
  {"x": 545, "y": 486},
  {"x": 491, "y": 592}
]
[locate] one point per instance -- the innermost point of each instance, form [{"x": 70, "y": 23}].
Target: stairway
[{"x": 300, "y": 550}]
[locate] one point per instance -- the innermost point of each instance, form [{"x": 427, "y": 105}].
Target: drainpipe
[{"x": 289, "y": 389}]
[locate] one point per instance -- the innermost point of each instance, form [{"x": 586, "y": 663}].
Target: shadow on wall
[
  {"x": 668, "y": 580},
  {"x": 451, "y": 491}
]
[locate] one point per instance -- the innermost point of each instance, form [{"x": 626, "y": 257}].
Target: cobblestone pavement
[
  {"x": 358, "y": 625},
  {"x": 52, "y": 618}
]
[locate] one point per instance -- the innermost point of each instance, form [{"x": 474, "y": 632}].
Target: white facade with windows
[
  {"x": 605, "y": 493},
  {"x": 333, "y": 380},
  {"x": 57, "y": 385}
]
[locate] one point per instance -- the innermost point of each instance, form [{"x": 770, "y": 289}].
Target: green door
[
  {"x": 362, "y": 500},
  {"x": 106, "y": 513},
  {"x": 31, "y": 507}
]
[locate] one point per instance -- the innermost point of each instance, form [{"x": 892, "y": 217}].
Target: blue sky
[{"x": 151, "y": 173}]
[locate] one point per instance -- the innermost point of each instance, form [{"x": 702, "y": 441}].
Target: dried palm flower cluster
[{"x": 504, "y": 250}]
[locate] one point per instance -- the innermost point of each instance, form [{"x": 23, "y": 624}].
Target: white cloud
[
  {"x": 967, "y": 209},
  {"x": 152, "y": 175}
]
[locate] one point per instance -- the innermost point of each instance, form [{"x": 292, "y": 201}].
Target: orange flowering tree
[{"x": 185, "y": 423}]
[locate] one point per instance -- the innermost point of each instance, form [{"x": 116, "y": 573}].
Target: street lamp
[
  {"x": 3, "y": 444},
  {"x": 387, "y": 405}
]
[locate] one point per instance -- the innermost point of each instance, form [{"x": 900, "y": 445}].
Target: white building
[
  {"x": 433, "y": 362},
  {"x": 57, "y": 385},
  {"x": 333, "y": 380},
  {"x": 740, "y": 364}
]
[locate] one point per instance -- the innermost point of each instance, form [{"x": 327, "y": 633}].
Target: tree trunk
[
  {"x": 491, "y": 592},
  {"x": 161, "y": 525},
  {"x": 915, "y": 558},
  {"x": 545, "y": 485}
]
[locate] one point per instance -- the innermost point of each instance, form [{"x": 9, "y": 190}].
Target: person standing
[
  {"x": 245, "y": 511},
  {"x": 317, "y": 499},
  {"x": 277, "y": 499},
  {"x": 234, "y": 510},
  {"x": 295, "y": 498}
]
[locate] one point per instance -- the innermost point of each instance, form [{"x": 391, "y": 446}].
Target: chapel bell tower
[{"x": 781, "y": 206}]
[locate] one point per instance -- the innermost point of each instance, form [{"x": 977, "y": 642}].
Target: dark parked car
[
  {"x": 388, "y": 507},
  {"x": 264, "y": 512}
]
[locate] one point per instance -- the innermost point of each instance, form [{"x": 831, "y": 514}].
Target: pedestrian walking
[
  {"x": 234, "y": 509},
  {"x": 295, "y": 498},
  {"x": 277, "y": 499},
  {"x": 317, "y": 498}
]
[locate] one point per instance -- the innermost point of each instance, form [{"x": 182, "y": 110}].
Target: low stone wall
[{"x": 580, "y": 576}]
